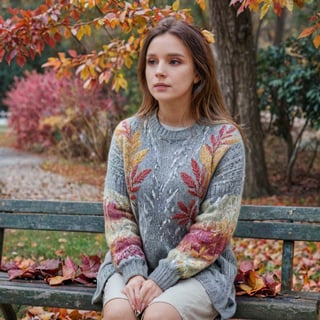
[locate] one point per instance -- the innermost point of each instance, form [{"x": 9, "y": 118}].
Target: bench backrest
[{"x": 263, "y": 222}]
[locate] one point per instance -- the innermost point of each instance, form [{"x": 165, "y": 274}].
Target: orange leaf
[
  {"x": 55, "y": 281},
  {"x": 307, "y": 32},
  {"x": 316, "y": 41}
]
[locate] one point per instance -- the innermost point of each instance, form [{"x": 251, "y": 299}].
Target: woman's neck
[{"x": 175, "y": 118}]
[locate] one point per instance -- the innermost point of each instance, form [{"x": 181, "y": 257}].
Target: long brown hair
[{"x": 207, "y": 100}]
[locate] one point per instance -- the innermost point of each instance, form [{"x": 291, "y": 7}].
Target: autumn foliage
[
  {"x": 58, "y": 272},
  {"x": 46, "y": 111},
  {"x": 55, "y": 271},
  {"x": 124, "y": 24}
]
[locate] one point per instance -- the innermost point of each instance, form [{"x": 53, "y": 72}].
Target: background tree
[{"x": 236, "y": 61}]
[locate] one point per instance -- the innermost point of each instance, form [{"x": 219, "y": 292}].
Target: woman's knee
[
  {"x": 118, "y": 309},
  {"x": 160, "y": 311}
]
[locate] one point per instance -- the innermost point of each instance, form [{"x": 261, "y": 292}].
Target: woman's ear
[{"x": 196, "y": 79}]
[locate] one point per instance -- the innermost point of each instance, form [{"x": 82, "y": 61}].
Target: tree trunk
[
  {"x": 235, "y": 53},
  {"x": 279, "y": 29}
]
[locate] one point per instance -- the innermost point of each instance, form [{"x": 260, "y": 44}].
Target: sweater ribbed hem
[
  {"x": 134, "y": 268},
  {"x": 164, "y": 277}
]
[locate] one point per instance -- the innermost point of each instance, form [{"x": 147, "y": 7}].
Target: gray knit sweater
[{"x": 171, "y": 203}]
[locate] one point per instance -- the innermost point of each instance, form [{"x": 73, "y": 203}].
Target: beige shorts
[{"x": 188, "y": 297}]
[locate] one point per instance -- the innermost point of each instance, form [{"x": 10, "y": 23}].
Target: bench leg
[{"x": 8, "y": 312}]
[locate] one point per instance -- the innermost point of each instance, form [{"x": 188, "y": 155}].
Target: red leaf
[
  {"x": 196, "y": 170},
  {"x": 73, "y": 53},
  {"x": 141, "y": 176},
  {"x": 246, "y": 266},
  {"x": 49, "y": 267},
  {"x": 21, "y": 60},
  {"x": 188, "y": 180},
  {"x": 182, "y": 206},
  {"x": 69, "y": 269}
]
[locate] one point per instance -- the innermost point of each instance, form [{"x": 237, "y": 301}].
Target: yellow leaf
[
  {"x": 81, "y": 32},
  {"x": 208, "y": 35},
  {"x": 246, "y": 288},
  {"x": 289, "y": 5},
  {"x": 128, "y": 62},
  {"x": 265, "y": 8},
  {"x": 119, "y": 82},
  {"x": 202, "y": 4},
  {"x": 206, "y": 158},
  {"x": 138, "y": 157},
  {"x": 316, "y": 41},
  {"x": 92, "y": 70},
  {"x": 53, "y": 121},
  {"x": 84, "y": 74},
  {"x": 87, "y": 30},
  {"x": 56, "y": 280},
  {"x": 176, "y": 5},
  {"x": 136, "y": 142}
]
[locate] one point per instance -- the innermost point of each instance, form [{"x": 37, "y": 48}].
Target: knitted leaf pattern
[
  {"x": 210, "y": 155},
  {"x": 122, "y": 234},
  {"x": 207, "y": 238},
  {"x": 130, "y": 144}
]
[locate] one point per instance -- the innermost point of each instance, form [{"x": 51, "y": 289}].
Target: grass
[{"x": 42, "y": 245}]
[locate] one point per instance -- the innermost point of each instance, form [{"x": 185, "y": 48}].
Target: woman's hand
[
  {"x": 132, "y": 291},
  {"x": 149, "y": 291}
]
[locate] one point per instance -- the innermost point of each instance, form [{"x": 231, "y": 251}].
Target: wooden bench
[{"x": 288, "y": 224}]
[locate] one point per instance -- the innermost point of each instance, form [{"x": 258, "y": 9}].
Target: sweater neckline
[{"x": 168, "y": 134}]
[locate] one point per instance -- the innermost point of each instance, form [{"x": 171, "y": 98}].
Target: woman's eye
[
  {"x": 174, "y": 61},
  {"x": 151, "y": 61}
]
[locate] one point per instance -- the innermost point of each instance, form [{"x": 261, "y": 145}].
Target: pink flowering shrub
[
  {"x": 31, "y": 99},
  {"x": 47, "y": 112}
]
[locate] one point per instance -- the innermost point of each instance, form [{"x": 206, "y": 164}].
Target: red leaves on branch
[
  {"x": 27, "y": 33},
  {"x": 55, "y": 271}
]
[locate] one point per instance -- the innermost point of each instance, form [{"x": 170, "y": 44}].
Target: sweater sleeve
[
  {"x": 214, "y": 225},
  {"x": 121, "y": 230}
]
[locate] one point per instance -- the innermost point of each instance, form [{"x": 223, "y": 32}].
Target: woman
[{"x": 173, "y": 189}]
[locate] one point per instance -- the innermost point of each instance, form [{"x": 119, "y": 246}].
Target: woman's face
[{"x": 170, "y": 71}]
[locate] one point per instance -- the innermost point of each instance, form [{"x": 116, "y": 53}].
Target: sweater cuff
[
  {"x": 164, "y": 277},
  {"x": 133, "y": 268}
]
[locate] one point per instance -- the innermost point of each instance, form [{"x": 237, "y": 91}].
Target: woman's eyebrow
[{"x": 173, "y": 54}]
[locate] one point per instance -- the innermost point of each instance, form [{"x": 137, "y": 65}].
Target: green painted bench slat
[
  {"x": 286, "y": 307},
  {"x": 52, "y": 207},
  {"x": 306, "y": 214},
  {"x": 30, "y": 292},
  {"x": 278, "y": 230},
  {"x": 54, "y": 222}
]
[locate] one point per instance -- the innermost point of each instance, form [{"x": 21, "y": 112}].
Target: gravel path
[{"x": 21, "y": 177}]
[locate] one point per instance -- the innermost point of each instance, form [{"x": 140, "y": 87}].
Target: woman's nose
[{"x": 160, "y": 71}]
